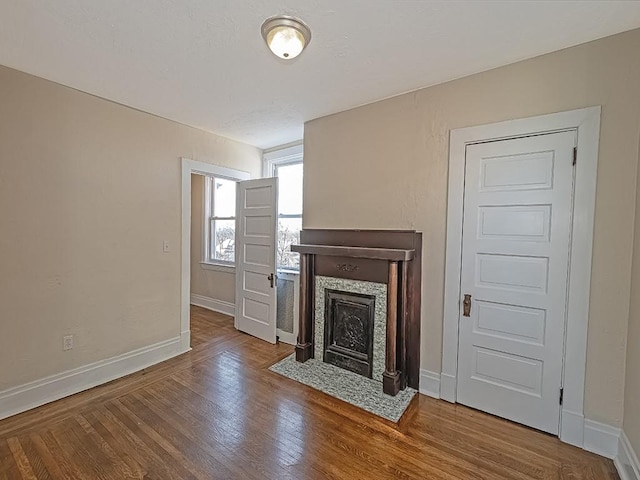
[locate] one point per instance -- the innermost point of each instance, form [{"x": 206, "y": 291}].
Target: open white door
[{"x": 256, "y": 219}]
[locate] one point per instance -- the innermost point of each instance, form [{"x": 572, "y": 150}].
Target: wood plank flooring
[{"x": 218, "y": 413}]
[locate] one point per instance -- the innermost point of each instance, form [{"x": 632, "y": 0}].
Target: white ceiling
[{"x": 203, "y": 62}]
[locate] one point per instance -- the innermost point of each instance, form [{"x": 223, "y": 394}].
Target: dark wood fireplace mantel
[
  {"x": 395, "y": 254},
  {"x": 392, "y": 257}
]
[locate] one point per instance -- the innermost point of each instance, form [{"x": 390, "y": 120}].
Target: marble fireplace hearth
[{"x": 358, "y": 390}]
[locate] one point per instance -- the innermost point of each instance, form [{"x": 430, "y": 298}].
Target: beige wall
[
  {"x": 88, "y": 192},
  {"x": 632, "y": 383},
  {"x": 384, "y": 165},
  {"x": 208, "y": 283}
]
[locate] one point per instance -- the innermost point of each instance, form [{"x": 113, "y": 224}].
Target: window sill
[
  {"x": 285, "y": 271},
  {"x": 218, "y": 267}
]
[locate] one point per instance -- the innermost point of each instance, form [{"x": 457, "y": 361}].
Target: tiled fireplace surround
[
  {"x": 376, "y": 290},
  {"x": 382, "y": 267}
]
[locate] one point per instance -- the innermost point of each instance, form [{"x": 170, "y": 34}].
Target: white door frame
[
  {"x": 200, "y": 168},
  {"x": 587, "y": 124}
]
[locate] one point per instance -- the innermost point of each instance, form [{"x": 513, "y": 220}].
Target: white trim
[
  {"x": 208, "y": 208},
  {"x": 601, "y": 438},
  {"x": 286, "y": 337},
  {"x": 587, "y": 123},
  {"x": 282, "y": 155},
  {"x": 201, "y": 168},
  {"x": 626, "y": 461},
  {"x": 218, "y": 267},
  {"x": 448, "y": 387},
  {"x": 213, "y": 304},
  {"x": 292, "y": 276},
  {"x": 291, "y": 148},
  {"x": 430, "y": 383},
  {"x": 206, "y": 215},
  {"x": 572, "y": 427},
  {"x": 34, "y": 394}
]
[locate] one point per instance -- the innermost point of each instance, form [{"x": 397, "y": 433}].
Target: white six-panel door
[
  {"x": 256, "y": 217},
  {"x": 515, "y": 256}
]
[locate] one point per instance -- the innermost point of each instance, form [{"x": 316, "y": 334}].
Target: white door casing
[
  {"x": 587, "y": 123},
  {"x": 256, "y": 217},
  {"x": 201, "y": 168},
  {"x": 515, "y": 253}
]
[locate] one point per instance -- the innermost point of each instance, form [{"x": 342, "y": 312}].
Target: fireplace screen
[{"x": 348, "y": 331}]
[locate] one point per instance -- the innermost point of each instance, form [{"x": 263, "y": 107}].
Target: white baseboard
[
  {"x": 601, "y": 438},
  {"x": 430, "y": 383},
  {"x": 590, "y": 435},
  {"x": 448, "y": 387},
  {"x": 626, "y": 461},
  {"x": 34, "y": 394},
  {"x": 286, "y": 337},
  {"x": 576, "y": 430},
  {"x": 185, "y": 341},
  {"x": 572, "y": 428},
  {"x": 219, "y": 306}
]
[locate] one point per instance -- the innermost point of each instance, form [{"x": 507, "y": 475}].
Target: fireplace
[
  {"x": 360, "y": 303},
  {"x": 348, "y": 331}
]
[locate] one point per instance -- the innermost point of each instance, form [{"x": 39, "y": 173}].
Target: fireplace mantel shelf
[{"x": 390, "y": 254}]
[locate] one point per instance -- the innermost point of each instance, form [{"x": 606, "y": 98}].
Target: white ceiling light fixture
[{"x": 286, "y": 36}]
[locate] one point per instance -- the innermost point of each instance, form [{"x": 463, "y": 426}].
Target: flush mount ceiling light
[{"x": 286, "y": 36}]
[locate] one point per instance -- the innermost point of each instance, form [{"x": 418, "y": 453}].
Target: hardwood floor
[{"x": 218, "y": 413}]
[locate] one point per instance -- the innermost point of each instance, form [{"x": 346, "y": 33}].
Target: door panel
[
  {"x": 257, "y": 226},
  {"x": 258, "y": 197},
  {"x": 256, "y": 258},
  {"x": 254, "y": 282},
  {"x": 518, "y": 223},
  {"x": 508, "y": 371},
  {"x": 520, "y": 171},
  {"x": 257, "y": 255},
  {"x": 513, "y": 272},
  {"x": 515, "y": 254},
  {"x": 521, "y": 324},
  {"x": 256, "y": 311}
]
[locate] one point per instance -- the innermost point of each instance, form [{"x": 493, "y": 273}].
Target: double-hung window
[
  {"x": 220, "y": 220},
  {"x": 286, "y": 164}
]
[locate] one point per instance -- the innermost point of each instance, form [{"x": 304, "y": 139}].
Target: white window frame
[
  {"x": 208, "y": 209},
  {"x": 282, "y": 156},
  {"x": 213, "y": 171},
  {"x": 279, "y": 156}
]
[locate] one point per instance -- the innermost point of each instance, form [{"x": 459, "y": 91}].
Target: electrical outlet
[
  {"x": 166, "y": 248},
  {"x": 67, "y": 342}
]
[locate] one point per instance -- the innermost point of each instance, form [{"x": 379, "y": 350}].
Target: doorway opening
[
  {"x": 210, "y": 236},
  {"x": 197, "y": 240}
]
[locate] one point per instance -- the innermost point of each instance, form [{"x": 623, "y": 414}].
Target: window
[
  {"x": 220, "y": 220},
  {"x": 289, "y": 214},
  {"x": 286, "y": 164}
]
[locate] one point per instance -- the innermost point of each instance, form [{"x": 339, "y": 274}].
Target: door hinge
[
  {"x": 575, "y": 155},
  {"x": 561, "y": 395}
]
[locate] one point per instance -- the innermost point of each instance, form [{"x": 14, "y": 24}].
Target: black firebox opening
[{"x": 348, "y": 331}]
